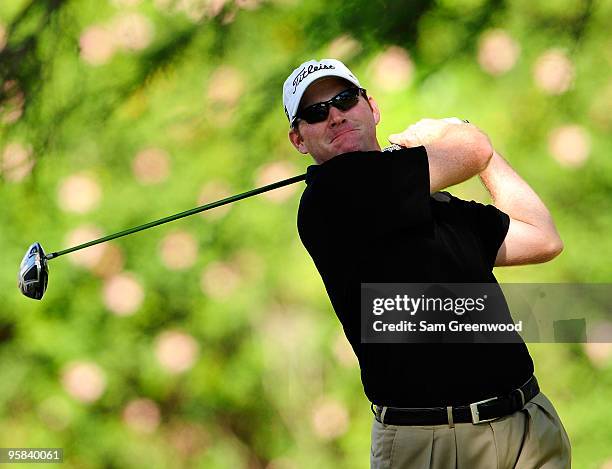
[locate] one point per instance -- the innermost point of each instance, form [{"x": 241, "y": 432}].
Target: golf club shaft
[{"x": 218, "y": 203}]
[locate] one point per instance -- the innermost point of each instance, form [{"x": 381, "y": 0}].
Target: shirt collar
[{"x": 313, "y": 170}]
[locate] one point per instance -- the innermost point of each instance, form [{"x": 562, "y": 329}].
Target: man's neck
[{"x": 374, "y": 147}]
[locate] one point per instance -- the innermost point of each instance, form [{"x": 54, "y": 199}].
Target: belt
[{"x": 476, "y": 412}]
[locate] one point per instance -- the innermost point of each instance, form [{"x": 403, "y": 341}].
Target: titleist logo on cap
[{"x": 307, "y": 71}]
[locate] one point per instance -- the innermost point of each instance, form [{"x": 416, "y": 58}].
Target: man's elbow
[
  {"x": 484, "y": 152},
  {"x": 553, "y": 248}
]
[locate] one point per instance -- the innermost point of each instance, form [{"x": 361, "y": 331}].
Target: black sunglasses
[{"x": 318, "y": 112}]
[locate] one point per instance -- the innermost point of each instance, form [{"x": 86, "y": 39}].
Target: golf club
[{"x": 34, "y": 271}]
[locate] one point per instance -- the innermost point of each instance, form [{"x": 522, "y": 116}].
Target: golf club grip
[{"x": 186, "y": 213}]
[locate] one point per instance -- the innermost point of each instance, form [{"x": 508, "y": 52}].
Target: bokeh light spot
[
  {"x": 274, "y": 172},
  {"x": 132, "y": 31},
  {"x": 553, "y": 72},
  {"x": 84, "y": 381},
  {"x": 3, "y": 37},
  {"x": 151, "y": 166},
  {"x": 211, "y": 192},
  {"x": 392, "y": 69},
  {"x": 176, "y": 351},
  {"x": 599, "y": 349},
  {"x": 570, "y": 145},
  {"x": 344, "y": 47},
  {"x": 89, "y": 257},
  {"x": 123, "y": 294},
  {"x": 497, "y": 52},
  {"x": 141, "y": 415},
  {"x": 110, "y": 262},
  {"x": 97, "y": 45},
  {"x": 12, "y": 105},
  {"x": 344, "y": 352},
  {"x": 330, "y": 419},
  {"x": 79, "y": 193},
  {"x": 179, "y": 250},
  {"x": 225, "y": 86},
  {"x": 188, "y": 438},
  {"x": 17, "y": 162},
  {"x": 219, "y": 280}
]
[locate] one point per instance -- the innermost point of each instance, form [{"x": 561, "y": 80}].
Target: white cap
[{"x": 307, "y": 73}]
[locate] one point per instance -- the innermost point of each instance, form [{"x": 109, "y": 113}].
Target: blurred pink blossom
[
  {"x": 188, "y": 438},
  {"x": 151, "y": 166},
  {"x": 3, "y": 37},
  {"x": 123, "y": 294},
  {"x": 104, "y": 260},
  {"x": 344, "y": 352},
  {"x": 274, "y": 172},
  {"x": 570, "y": 145},
  {"x": 89, "y": 257},
  {"x": 225, "y": 86},
  {"x": 248, "y": 4},
  {"x": 344, "y": 47},
  {"x": 599, "y": 348},
  {"x": 176, "y": 351},
  {"x": 553, "y": 72},
  {"x": 17, "y": 162},
  {"x": 110, "y": 262},
  {"x": 132, "y": 31},
  {"x": 392, "y": 69},
  {"x": 179, "y": 250},
  {"x": 142, "y": 415},
  {"x": 84, "y": 381},
  {"x": 97, "y": 45},
  {"x": 497, "y": 51},
  {"x": 79, "y": 193},
  {"x": 330, "y": 419},
  {"x": 211, "y": 192},
  {"x": 219, "y": 280},
  {"x": 11, "y": 109},
  {"x": 606, "y": 464}
]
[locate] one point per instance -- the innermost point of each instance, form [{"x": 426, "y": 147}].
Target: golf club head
[{"x": 33, "y": 272}]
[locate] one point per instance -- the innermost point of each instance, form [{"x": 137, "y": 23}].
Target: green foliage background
[{"x": 268, "y": 353}]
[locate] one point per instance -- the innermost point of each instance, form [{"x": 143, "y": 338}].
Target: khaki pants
[{"x": 533, "y": 437}]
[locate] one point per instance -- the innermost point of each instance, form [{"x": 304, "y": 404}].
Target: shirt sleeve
[
  {"x": 489, "y": 224},
  {"x": 374, "y": 194},
  {"x": 399, "y": 192}
]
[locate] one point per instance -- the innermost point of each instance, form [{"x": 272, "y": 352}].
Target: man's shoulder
[
  {"x": 452, "y": 200},
  {"x": 442, "y": 196}
]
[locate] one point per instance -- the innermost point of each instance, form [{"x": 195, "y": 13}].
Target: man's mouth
[{"x": 342, "y": 133}]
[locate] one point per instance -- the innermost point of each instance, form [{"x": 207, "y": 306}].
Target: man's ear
[
  {"x": 297, "y": 141},
  {"x": 375, "y": 109}
]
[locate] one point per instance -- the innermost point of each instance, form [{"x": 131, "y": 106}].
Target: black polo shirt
[{"x": 369, "y": 217}]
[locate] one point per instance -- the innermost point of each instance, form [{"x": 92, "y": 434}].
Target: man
[{"x": 368, "y": 215}]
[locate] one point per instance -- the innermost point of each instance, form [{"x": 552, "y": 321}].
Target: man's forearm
[
  {"x": 512, "y": 195},
  {"x": 463, "y": 151},
  {"x": 456, "y": 150}
]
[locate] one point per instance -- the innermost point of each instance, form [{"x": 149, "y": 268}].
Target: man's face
[{"x": 342, "y": 131}]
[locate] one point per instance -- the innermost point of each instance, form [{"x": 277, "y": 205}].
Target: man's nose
[{"x": 336, "y": 116}]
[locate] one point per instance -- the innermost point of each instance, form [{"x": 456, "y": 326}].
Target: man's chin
[{"x": 346, "y": 146}]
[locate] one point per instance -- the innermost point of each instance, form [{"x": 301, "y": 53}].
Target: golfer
[{"x": 368, "y": 215}]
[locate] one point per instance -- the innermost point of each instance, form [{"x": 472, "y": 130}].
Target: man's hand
[
  {"x": 424, "y": 132},
  {"x": 456, "y": 150}
]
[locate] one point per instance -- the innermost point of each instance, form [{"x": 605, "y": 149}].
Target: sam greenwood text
[{"x": 452, "y": 326}]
